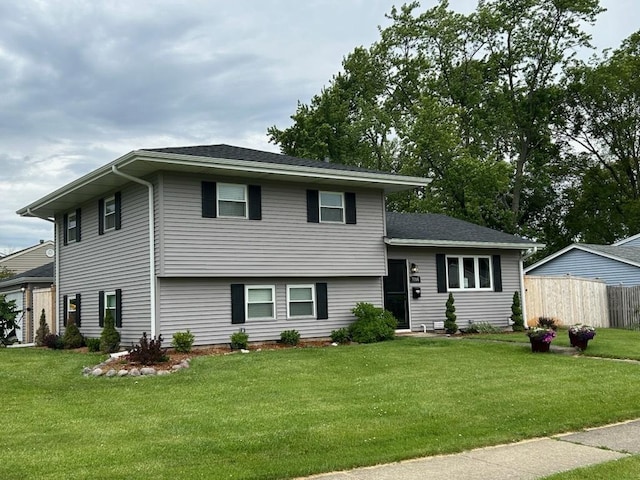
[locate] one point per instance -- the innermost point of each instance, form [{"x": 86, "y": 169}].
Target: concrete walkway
[{"x": 530, "y": 459}]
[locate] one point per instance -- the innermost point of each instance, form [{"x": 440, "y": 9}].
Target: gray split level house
[{"x": 218, "y": 238}]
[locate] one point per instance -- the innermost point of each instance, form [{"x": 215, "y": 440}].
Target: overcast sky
[{"x": 84, "y": 82}]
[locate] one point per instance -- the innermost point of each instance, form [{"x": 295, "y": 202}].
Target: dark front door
[{"x": 396, "y": 298}]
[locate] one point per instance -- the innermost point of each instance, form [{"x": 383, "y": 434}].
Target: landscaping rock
[
  {"x": 123, "y": 373},
  {"x": 97, "y": 372},
  {"x": 134, "y": 372},
  {"x": 163, "y": 372},
  {"x": 184, "y": 364},
  {"x": 175, "y": 368},
  {"x": 147, "y": 371},
  {"x": 86, "y": 371},
  {"x": 111, "y": 373}
]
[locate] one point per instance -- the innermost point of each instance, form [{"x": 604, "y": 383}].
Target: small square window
[
  {"x": 260, "y": 302},
  {"x": 331, "y": 207},
  {"x": 301, "y": 301},
  {"x": 232, "y": 200}
]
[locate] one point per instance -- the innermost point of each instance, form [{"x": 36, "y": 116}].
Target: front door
[{"x": 396, "y": 298}]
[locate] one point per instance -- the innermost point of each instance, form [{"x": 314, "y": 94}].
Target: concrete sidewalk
[{"x": 530, "y": 459}]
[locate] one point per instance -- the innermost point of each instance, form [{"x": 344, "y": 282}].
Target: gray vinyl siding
[
  {"x": 203, "y": 306},
  {"x": 471, "y": 305},
  {"x": 632, "y": 243},
  {"x": 283, "y": 243},
  {"x": 588, "y": 265},
  {"x": 119, "y": 259},
  {"x": 24, "y": 261}
]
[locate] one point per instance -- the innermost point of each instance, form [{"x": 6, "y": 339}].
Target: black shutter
[
  {"x": 78, "y": 224},
  {"x": 118, "y": 202},
  {"x": 322, "y": 303},
  {"x": 65, "y": 228},
  {"x": 237, "y": 303},
  {"x": 65, "y": 311},
  {"x": 350, "y": 207},
  {"x": 78, "y": 310},
  {"x": 497, "y": 273},
  {"x": 255, "y": 202},
  {"x": 101, "y": 216},
  {"x": 118, "y": 308},
  {"x": 101, "y": 308},
  {"x": 441, "y": 272},
  {"x": 313, "y": 206},
  {"x": 209, "y": 209}
]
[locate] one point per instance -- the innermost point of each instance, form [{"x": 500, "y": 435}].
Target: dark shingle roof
[
  {"x": 45, "y": 270},
  {"x": 631, "y": 254},
  {"x": 239, "y": 153},
  {"x": 436, "y": 227}
]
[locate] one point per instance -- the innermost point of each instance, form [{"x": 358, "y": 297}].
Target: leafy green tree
[
  {"x": 450, "y": 325},
  {"x": 516, "y": 313},
  {"x": 6, "y": 273},
  {"x": 110, "y": 337}
]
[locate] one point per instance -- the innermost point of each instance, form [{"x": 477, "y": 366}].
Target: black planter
[
  {"x": 539, "y": 345},
  {"x": 578, "y": 342}
]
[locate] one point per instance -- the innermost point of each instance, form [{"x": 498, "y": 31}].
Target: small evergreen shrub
[
  {"x": 450, "y": 325},
  {"x": 182, "y": 341},
  {"x": 148, "y": 352},
  {"x": 516, "y": 313},
  {"x": 53, "y": 341},
  {"x": 239, "y": 340},
  {"x": 373, "y": 324},
  {"x": 290, "y": 337},
  {"x": 72, "y": 337},
  {"x": 482, "y": 327},
  {"x": 93, "y": 344},
  {"x": 110, "y": 337},
  {"x": 340, "y": 336},
  {"x": 43, "y": 330}
]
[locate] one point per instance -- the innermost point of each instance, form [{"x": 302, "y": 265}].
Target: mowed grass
[
  {"x": 623, "y": 469},
  {"x": 608, "y": 342},
  {"x": 288, "y": 413}
]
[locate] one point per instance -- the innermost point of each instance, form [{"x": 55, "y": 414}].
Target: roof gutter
[
  {"x": 152, "y": 258},
  {"x": 412, "y": 242}
]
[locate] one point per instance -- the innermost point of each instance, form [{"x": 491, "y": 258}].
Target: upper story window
[
  {"x": 232, "y": 200},
  {"x": 301, "y": 301},
  {"x": 71, "y": 227},
  {"x": 469, "y": 273},
  {"x": 109, "y": 213},
  {"x": 331, "y": 207}
]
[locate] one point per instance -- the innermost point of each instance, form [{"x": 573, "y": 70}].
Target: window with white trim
[
  {"x": 72, "y": 227},
  {"x": 331, "y": 207},
  {"x": 110, "y": 213},
  {"x": 469, "y": 273},
  {"x": 232, "y": 200},
  {"x": 301, "y": 301},
  {"x": 110, "y": 304},
  {"x": 260, "y": 302},
  {"x": 72, "y": 308}
]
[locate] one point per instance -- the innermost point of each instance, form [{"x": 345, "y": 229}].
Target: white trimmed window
[
  {"x": 232, "y": 200},
  {"x": 260, "y": 302},
  {"x": 301, "y": 301},
  {"x": 109, "y": 213},
  {"x": 110, "y": 304},
  {"x": 469, "y": 273},
  {"x": 331, "y": 207},
  {"x": 72, "y": 227},
  {"x": 72, "y": 308}
]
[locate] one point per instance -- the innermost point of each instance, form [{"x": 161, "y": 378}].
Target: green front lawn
[
  {"x": 287, "y": 413},
  {"x": 623, "y": 469}
]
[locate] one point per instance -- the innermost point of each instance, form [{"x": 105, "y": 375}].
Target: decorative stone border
[{"x": 105, "y": 369}]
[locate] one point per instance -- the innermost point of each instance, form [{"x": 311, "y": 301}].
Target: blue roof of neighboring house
[{"x": 43, "y": 273}]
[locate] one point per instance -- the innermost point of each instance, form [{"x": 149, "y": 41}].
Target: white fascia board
[
  {"x": 624, "y": 241},
  {"x": 549, "y": 258},
  {"x": 401, "y": 242},
  {"x": 281, "y": 169},
  {"x": 584, "y": 248}
]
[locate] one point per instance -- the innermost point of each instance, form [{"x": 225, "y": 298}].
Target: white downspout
[
  {"x": 523, "y": 300},
  {"x": 152, "y": 257}
]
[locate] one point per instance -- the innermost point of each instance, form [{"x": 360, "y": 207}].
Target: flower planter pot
[
  {"x": 578, "y": 342},
  {"x": 539, "y": 345}
]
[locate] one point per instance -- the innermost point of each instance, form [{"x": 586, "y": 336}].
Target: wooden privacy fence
[
  {"x": 567, "y": 299},
  {"x": 624, "y": 307}
]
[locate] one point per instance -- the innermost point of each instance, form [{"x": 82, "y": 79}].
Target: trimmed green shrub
[
  {"x": 182, "y": 341},
  {"x": 93, "y": 344},
  {"x": 239, "y": 340},
  {"x": 482, "y": 327},
  {"x": 148, "y": 352},
  {"x": 340, "y": 336},
  {"x": 516, "y": 313},
  {"x": 72, "y": 337},
  {"x": 450, "y": 325},
  {"x": 53, "y": 341},
  {"x": 43, "y": 330},
  {"x": 110, "y": 337},
  {"x": 290, "y": 337},
  {"x": 373, "y": 324}
]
